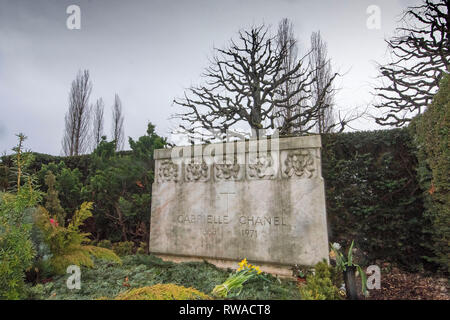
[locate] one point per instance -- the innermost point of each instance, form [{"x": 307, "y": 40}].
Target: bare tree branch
[
  {"x": 323, "y": 90},
  {"x": 98, "y": 122},
  {"x": 245, "y": 84},
  {"x": 77, "y": 119},
  {"x": 420, "y": 54},
  {"x": 285, "y": 38},
  {"x": 117, "y": 131}
]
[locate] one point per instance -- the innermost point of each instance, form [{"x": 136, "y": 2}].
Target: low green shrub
[
  {"x": 142, "y": 249},
  {"x": 319, "y": 286},
  {"x": 66, "y": 182},
  {"x": 16, "y": 248},
  {"x": 69, "y": 245},
  {"x": 123, "y": 248},
  {"x": 36, "y": 292},
  {"x": 105, "y": 244}
]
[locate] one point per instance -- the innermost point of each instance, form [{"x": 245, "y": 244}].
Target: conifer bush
[
  {"x": 105, "y": 243},
  {"x": 67, "y": 184},
  {"x": 16, "y": 247},
  {"x": 123, "y": 248},
  {"x": 319, "y": 286},
  {"x": 52, "y": 203},
  {"x": 69, "y": 245}
]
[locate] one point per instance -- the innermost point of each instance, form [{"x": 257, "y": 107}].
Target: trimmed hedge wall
[
  {"x": 431, "y": 132},
  {"x": 372, "y": 194}
]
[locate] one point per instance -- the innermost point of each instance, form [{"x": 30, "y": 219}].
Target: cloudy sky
[{"x": 148, "y": 52}]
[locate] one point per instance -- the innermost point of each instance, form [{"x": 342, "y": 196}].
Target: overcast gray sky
[{"x": 148, "y": 52}]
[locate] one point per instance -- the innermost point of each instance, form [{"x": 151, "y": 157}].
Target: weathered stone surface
[{"x": 267, "y": 206}]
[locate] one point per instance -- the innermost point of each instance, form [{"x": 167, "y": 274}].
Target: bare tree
[
  {"x": 117, "y": 123},
  {"x": 77, "y": 119},
  {"x": 98, "y": 122},
  {"x": 243, "y": 84},
  {"x": 286, "y": 39},
  {"x": 323, "y": 93},
  {"x": 420, "y": 54}
]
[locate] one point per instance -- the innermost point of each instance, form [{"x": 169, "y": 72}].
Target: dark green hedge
[
  {"x": 431, "y": 132},
  {"x": 373, "y": 195}
]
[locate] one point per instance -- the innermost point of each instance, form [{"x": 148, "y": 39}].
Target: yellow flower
[
  {"x": 332, "y": 254},
  {"x": 257, "y": 269},
  {"x": 245, "y": 265}
]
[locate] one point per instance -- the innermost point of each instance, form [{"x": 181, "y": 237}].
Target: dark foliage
[
  {"x": 373, "y": 195},
  {"x": 431, "y": 132}
]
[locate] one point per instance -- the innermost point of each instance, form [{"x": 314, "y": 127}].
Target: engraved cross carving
[{"x": 227, "y": 193}]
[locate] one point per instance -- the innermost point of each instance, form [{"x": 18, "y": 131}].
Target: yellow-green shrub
[
  {"x": 16, "y": 247},
  {"x": 105, "y": 244},
  {"x": 123, "y": 248},
  {"x": 163, "y": 292},
  {"x": 142, "y": 249},
  {"x": 69, "y": 245},
  {"x": 319, "y": 286}
]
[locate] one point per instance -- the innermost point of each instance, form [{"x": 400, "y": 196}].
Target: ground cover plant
[
  {"x": 107, "y": 280},
  {"x": 163, "y": 292}
]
